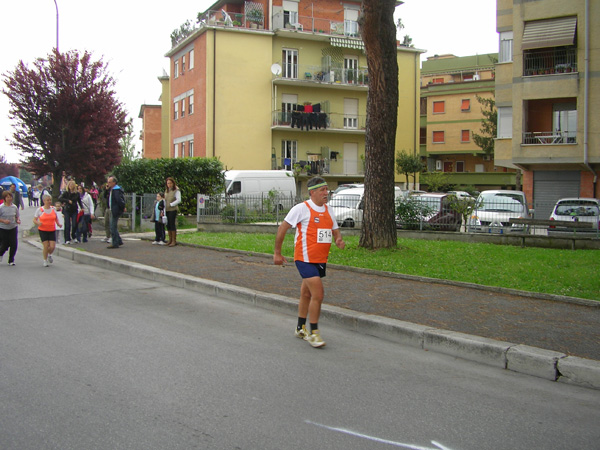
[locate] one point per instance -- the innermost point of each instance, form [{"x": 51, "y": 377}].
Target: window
[
  {"x": 176, "y": 151},
  {"x": 465, "y": 136},
  {"x": 351, "y": 113},
  {"x": 289, "y": 154},
  {"x": 564, "y": 118},
  {"x": 176, "y": 68},
  {"x": 183, "y": 149},
  {"x": 350, "y": 22},
  {"x": 350, "y": 69},
  {"x": 288, "y": 101},
  {"x": 506, "y": 47},
  {"x": 460, "y": 166},
  {"x": 176, "y": 110},
  {"x": 290, "y": 63},
  {"x": 191, "y": 104},
  {"x": 438, "y": 137},
  {"x": 191, "y": 148},
  {"x": 191, "y": 59},
  {"x": 183, "y": 107},
  {"x": 504, "y": 122},
  {"x": 438, "y": 81},
  {"x": 465, "y": 105},
  {"x": 182, "y": 64},
  {"x": 290, "y": 12},
  {"x": 439, "y": 107}
]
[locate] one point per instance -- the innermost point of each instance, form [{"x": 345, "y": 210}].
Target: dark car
[{"x": 428, "y": 211}]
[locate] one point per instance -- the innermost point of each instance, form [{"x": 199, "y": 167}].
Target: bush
[
  {"x": 410, "y": 213},
  {"x": 193, "y": 176}
]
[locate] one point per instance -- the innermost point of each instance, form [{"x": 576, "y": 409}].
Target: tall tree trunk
[{"x": 379, "y": 36}]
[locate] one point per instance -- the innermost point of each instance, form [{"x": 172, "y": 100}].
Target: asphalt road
[{"x": 92, "y": 359}]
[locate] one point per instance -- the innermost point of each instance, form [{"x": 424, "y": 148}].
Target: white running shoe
[{"x": 45, "y": 263}]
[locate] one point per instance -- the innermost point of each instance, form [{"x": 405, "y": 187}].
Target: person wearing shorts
[
  {"x": 316, "y": 229},
  {"x": 46, "y": 218}
]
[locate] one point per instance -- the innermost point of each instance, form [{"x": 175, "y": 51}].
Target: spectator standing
[
  {"x": 17, "y": 198},
  {"x": 60, "y": 228},
  {"x": 107, "y": 213},
  {"x": 116, "y": 203},
  {"x": 36, "y": 194},
  {"x": 9, "y": 231},
  {"x": 71, "y": 204},
  {"x": 47, "y": 219},
  {"x": 87, "y": 208},
  {"x": 30, "y": 195},
  {"x": 172, "y": 200},
  {"x": 158, "y": 213},
  {"x": 94, "y": 194}
]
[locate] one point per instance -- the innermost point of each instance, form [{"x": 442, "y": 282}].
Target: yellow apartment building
[
  {"x": 281, "y": 85},
  {"x": 548, "y": 97},
  {"x": 451, "y": 113}
]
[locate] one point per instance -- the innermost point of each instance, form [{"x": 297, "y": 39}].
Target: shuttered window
[
  {"x": 465, "y": 136},
  {"x": 438, "y": 136},
  {"x": 439, "y": 107},
  {"x": 465, "y": 105}
]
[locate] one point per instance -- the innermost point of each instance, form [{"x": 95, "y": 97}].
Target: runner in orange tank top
[{"x": 316, "y": 229}]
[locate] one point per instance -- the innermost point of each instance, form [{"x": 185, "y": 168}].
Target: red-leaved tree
[{"x": 66, "y": 116}]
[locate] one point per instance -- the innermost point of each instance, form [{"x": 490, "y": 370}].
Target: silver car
[
  {"x": 495, "y": 209},
  {"x": 576, "y": 210}
]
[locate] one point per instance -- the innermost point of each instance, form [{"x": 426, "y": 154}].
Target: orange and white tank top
[
  {"x": 47, "y": 219},
  {"x": 313, "y": 237}
]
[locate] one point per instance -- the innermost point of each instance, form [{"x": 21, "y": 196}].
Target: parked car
[
  {"x": 494, "y": 210},
  {"x": 576, "y": 210},
  {"x": 347, "y": 206},
  {"x": 342, "y": 187},
  {"x": 429, "y": 211},
  {"x": 461, "y": 194}
]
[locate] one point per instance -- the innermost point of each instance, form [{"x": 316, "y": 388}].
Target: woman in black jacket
[{"x": 71, "y": 200}]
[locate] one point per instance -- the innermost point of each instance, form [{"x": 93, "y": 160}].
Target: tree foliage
[
  {"x": 407, "y": 165},
  {"x": 437, "y": 181},
  {"x": 379, "y": 36},
  {"x": 66, "y": 116},
  {"x": 8, "y": 169},
  {"x": 127, "y": 144},
  {"x": 192, "y": 175},
  {"x": 489, "y": 126}
]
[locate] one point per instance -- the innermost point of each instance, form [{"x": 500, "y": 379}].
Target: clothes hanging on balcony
[{"x": 309, "y": 120}]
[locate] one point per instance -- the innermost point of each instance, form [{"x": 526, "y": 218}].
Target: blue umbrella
[{"x": 7, "y": 181}]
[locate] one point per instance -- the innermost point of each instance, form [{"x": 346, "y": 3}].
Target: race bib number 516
[{"x": 324, "y": 236}]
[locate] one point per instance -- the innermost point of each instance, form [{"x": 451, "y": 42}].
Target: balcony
[
  {"x": 549, "y": 61},
  {"x": 549, "y": 137},
  {"x": 338, "y": 167},
  {"x": 319, "y": 76},
  {"x": 321, "y": 121},
  {"x": 313, "y": 24}
]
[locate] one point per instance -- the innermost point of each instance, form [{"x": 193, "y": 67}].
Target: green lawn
[{"x": 575, "y": 273}]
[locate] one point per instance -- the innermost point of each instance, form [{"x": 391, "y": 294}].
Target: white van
[
  {"x": 256, "y": 182},
  {"x": 253, "y": 187},
  {"x": 347, "y": 206}
]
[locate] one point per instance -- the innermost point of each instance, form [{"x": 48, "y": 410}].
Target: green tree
[
  {"x": 408, "y": 164},
  {"x": 437, "y": 181},
  {"x": 379, "y": 36},
  {"x": 489, "y": 126},
  {"x": 127, "y": 143}
]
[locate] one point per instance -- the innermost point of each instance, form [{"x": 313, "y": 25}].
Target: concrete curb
[{"x": 523, "y": 359}]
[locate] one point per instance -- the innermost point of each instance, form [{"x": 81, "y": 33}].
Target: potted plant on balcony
[{"x": 255, "y": 17}]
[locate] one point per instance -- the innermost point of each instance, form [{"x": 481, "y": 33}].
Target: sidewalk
[{"x": 428, "y": 310}]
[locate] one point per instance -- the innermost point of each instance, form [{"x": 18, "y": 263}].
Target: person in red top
[
  {"x": 46, "y": 219},
  {"x": 316, "y": 229}
]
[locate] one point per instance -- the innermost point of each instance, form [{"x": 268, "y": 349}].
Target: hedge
[{"x": 192, "y": 175}]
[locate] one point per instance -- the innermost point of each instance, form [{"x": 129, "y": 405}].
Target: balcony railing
[
  {"x": 319, "y": 121},
  {"x": 549, "y": 137},
  {"x": 318, "y": 74},
  {"x": 323, "y": 166},
  {"x": 550, "y": 61},
  {"x": 316, "y": 25}
]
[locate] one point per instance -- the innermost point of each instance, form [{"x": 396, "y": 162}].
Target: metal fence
[{"x": 261, "y": 208}]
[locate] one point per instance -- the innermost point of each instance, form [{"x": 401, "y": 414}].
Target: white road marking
[{"x": 376, "y": 439}]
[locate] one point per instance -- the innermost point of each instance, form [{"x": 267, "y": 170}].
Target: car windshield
[
  {"x": 501, "y": 202},
  {"x": 345, "y": 201},
  {"x": 577, "y": 208}
]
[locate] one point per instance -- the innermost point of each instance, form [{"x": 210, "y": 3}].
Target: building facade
[
  {"x": 548, "y": 97},
  {"x": 451, "y": 113},
  {"x": 281, "y": 85}
]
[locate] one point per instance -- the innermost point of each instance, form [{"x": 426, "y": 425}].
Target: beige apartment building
[
  {"x": 281, "y": 84},
  {"x": 451, "y": 113},
  {"x": 548, "y": 97}
]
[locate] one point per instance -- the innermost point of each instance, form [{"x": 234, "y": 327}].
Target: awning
[
  {"x": 347, "y": 43},
  {"x": 549, "y": 33}
]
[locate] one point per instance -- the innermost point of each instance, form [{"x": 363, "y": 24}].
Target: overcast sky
[{"x": 132, "y": 36}]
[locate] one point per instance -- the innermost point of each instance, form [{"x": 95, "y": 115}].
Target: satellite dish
[{"x": 276, "y": 69}]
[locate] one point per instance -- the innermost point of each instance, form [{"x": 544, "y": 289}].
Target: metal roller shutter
[{"x": 550, "y": 186}]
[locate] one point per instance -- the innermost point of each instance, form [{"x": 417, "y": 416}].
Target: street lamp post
[{"x": 56, "y": 4}]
